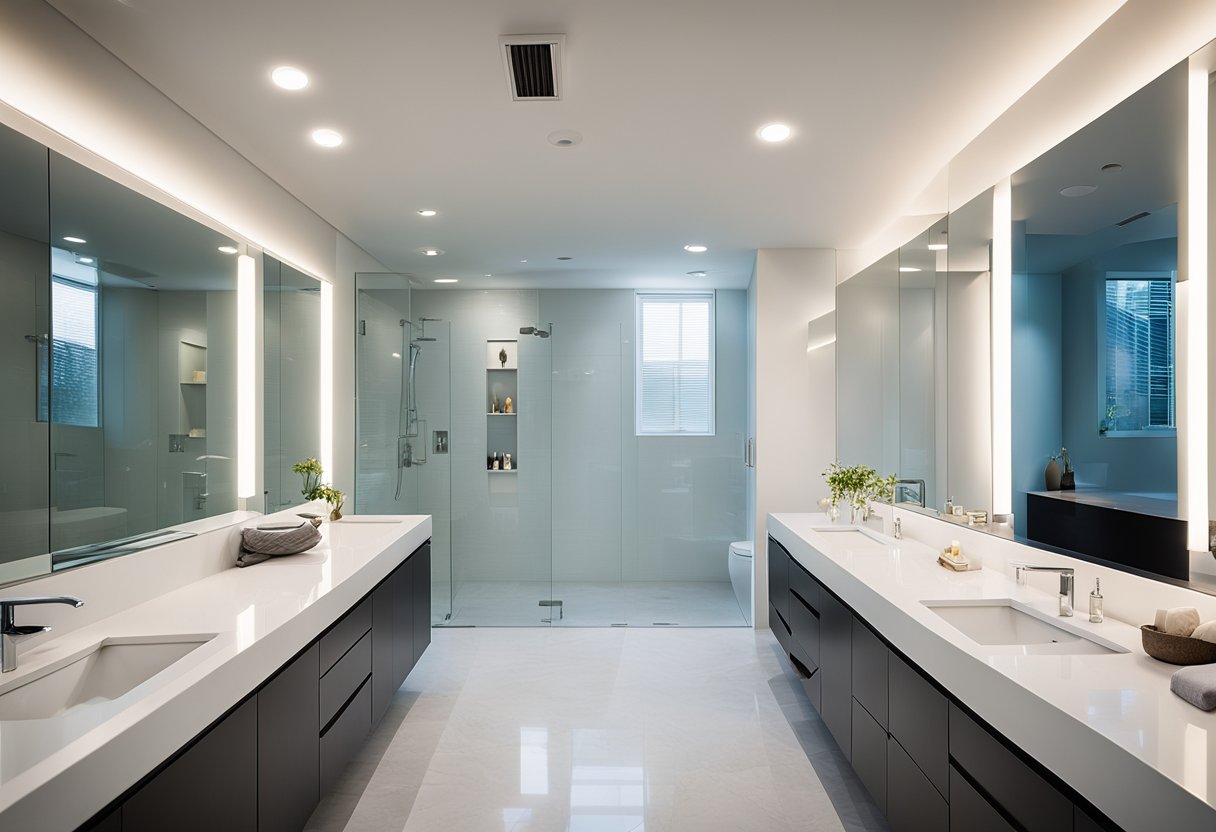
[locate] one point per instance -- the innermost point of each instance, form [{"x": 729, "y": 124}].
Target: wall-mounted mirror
[
  {"x": 292, "y": 331},
  {"x": 1094, "y": 323},
  {"x": 137, "y": 384}
]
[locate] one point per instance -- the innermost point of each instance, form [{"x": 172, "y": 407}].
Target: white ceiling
[{"x": 667, "y": 95}]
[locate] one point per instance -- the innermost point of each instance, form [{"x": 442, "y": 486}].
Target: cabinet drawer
[
  {"x": 913, "y": 803},
  {"x": 803, "y": 584},
  {"x": 343, "y": 635},
  {"x": 344, "y": 678},
  {"x": 920, "y": 720},
  {"x": 870, "y": 671},
  {"x": 804, "y": 624},
  {"x": 870, "y": 754},
  {"x": 777, "y": 624},
  {"x": 779, "y": 578},
  {"x": 970, "y": 812},
  {"x": 1011, "y": 783},
  {"x": 814, "y": 690},
  {"x": 344, "y": 737}
]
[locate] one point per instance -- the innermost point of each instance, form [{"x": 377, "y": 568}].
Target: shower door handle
[{"x": 749, "y": 453}]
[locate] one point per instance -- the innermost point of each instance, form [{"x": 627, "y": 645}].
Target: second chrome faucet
[{"x": 1067, "y": 583}]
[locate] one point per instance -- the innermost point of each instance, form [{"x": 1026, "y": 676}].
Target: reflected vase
[{"x": 1053, "y": 475}]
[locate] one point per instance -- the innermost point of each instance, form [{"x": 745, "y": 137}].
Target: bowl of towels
[{"x": 1177, "y": 636}]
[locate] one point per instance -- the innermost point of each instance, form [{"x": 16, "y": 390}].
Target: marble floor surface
[
  {"x": 599, "y": 730},
  {"x": 596, "y": 604}
]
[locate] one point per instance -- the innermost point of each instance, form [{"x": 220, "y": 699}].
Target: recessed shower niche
[{"x": 502, "y": 394}]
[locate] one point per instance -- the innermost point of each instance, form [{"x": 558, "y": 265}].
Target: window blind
[
  {"x": 72, "y": 397},
  {"x": 1139, "y": 353},
  {"x": 675, "y": 364}
]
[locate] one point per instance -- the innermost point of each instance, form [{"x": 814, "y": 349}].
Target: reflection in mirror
[
  {"x": 292, "y": 327},
  {"x": 24, "y": 327},
  {"x": 867, "y": 366},
  {"x": 922, "y": 379},
  {"x": 1095, "y": 260},
  {"x": 138, "y": 386},
  {"x": 966, "y": 427}
]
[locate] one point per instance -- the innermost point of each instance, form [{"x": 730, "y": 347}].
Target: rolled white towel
[
  {"x": 1159, "y": 621},
  {"x": 1206, "y": 631},
  {"x": 1181, "y": 621}
]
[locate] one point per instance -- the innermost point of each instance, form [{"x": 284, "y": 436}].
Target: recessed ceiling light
[
  {"x": 775, "y": 132},
  {"x": 487, "y": 275},
  {"x": 696, "y": 249},
  {"x": 523, "y": 261},
  {"x": 88, "y": 261},
  {"x": 289, "y": 77},
  {"x": 696, "y": 274},
  {"x": 908, "y": 269},
  {"x": 564, "y": 138},
  {"x": 327, "y": 137},
  {"x": 446, "y": 280},
  {"x": 426, "y": 212},
  {"x": 227, "y": 249},
  {"x": 1113, "y": 167},
  {"x": 1078, "y": 190},
  {"x": 937, "y": 246},
  {"x": 80, "y": 240},
  {"x": 430, "y": 252},
  {"x": 565, "y": 258}
]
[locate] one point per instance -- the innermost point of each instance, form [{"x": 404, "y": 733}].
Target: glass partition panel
[
  {"x": 141, "y": 366},
  {"x": 24, "y": 361}
]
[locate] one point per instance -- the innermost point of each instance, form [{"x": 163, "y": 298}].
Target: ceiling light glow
[
  {"x": 697, "y": 274},
  {"x": 430, "y": 252},
  {"x": 326, "y": 137},
  {"x": 427, "y": 212},
  {"x": 87, "y": 261},
  {"x": 775, "y": 132},
  {"x": 937, "y": 246},
  {"x": 1078, "y": 190},
  {"x": 908, "y": 269},
  {"x": 446, "y": 280},
  {"x": 78, "y": 240},
  {"x": 696, "y": 249},
  {"x": 227, "y": 249},
  {"x": 289, "y": 78}
]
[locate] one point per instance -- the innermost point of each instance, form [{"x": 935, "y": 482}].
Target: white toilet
[{"x": 740, "y": 565}]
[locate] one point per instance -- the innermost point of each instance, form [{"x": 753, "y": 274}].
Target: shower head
[
  {"x": 542, "y": 333},
  {"x": 527, "y": 330},
  {"x": 432, "y": 320}
]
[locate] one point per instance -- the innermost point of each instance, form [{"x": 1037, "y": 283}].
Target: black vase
[{"x": 1068, "y": 481}]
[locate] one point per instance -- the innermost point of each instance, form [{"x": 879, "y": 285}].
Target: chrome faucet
[
  {"x": 10, "y": 632},
  {"x": 1067, "y": 583}
]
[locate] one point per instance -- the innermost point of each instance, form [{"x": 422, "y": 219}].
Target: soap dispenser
[{"x": 1095, "y": 603}]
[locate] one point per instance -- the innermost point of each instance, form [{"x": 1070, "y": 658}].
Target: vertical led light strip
[
  {"x": 326, "y": 364},
  {"x": 1002, "y": 347},
  {"x": 246, "y": 381},
  {"x": 1196, "y": 310}
]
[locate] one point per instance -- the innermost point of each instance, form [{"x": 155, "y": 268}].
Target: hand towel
[
  {"x": 1206, "y": 631},
  {"x": 266, "y": 542},
  {"x": 1181, "y": 621},
  {"x": 1197, "y": 685},
  {"x": 1159, "y": 621}
]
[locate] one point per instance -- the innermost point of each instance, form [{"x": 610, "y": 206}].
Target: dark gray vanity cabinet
[
  {"x": 384, "y": 622},
  {"x": 869, "y": 660},
  {"x": 920, "y": 721},
  {"x": 779, "y": 579},
  {"x": 212, "y": 785},
  {"x": 913, "y": 803},
  {"x": 421, "y": 603},
  {"x": 1012, "y": 788},
  {"x": 869, "y": 754},
  {"x": 289, "y": 777},
  {"x": 836, "y": 669}
]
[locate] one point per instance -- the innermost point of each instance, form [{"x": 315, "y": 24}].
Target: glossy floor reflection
[{"x": 598, "y": 730}]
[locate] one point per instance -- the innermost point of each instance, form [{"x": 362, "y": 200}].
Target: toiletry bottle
[
  {"x": 1095, "y": 603},
  {"x": 949, "y": 506}
]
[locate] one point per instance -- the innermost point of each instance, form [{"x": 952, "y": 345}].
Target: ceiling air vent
[
  {"x": 1132, "y": 219},
  {"x": 534, "y": 66}
]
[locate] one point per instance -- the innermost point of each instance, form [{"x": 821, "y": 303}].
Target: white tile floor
[
  {"x": 587, "y": 604},
  {"x": 599, "y": 730}
]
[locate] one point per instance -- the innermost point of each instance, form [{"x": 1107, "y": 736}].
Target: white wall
[
  {"x": 795, "y": 391},
  {"x": 969, "y": 390}
]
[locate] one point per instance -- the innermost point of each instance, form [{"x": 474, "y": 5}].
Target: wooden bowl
[{"x": 1176, "y": 649}]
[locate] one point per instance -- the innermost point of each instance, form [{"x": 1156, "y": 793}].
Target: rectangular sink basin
[
  {"x": 852, "y": 537},
  {"x": 105, "y": 672},
  {"x": 1006, "y": 623}
]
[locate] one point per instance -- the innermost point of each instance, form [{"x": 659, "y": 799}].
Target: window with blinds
[
  {"x": 675, "y": 365},
  {"x": 68, "y": 388},
  {"x": 1140, "y": 323}
]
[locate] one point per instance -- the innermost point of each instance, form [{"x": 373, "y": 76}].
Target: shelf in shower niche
[
  {"x": 501, "y": 471},
  {"x": 502, "y": 414}
]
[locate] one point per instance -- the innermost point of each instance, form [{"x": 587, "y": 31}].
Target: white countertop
[
  {"x": 261, "y": 616},
  {"x": 1108, "y": 725}
]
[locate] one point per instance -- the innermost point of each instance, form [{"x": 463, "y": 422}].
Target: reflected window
[
  {"x": 675, "y": 365},
  {"x": 1140, "y": 322},
  {"x": 68, "y": 387}
]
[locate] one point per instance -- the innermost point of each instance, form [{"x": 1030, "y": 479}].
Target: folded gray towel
[
  {"x": 266, "y": 542},
  {"x": 1197, "y": 685}
]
